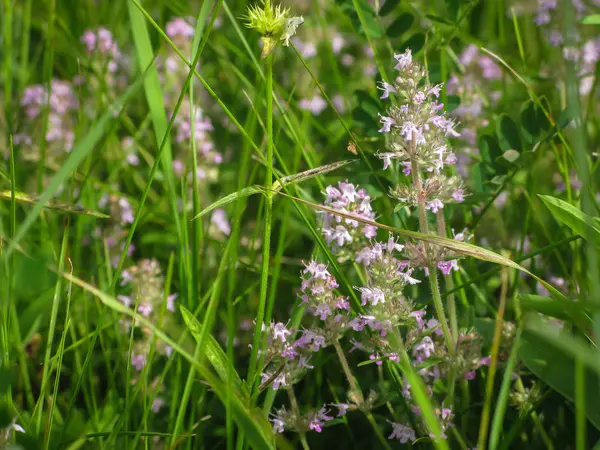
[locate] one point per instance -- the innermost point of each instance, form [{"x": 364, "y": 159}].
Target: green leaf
[
  {"x": 8, "y": 378},
  {"x": 490, "y": 151},
  {"x": 372, "y": 26},
  {"x": 549, "y": 306},
  {"x": 555, "y": 365},
  {"x": 400, "y": 26},
  {"x": 214, "y": 352},
  {"x": 565, "y": 117},
  {"x": 574, "y": 218},
  {"x": 155, "y": 99},
  {"x": 533, "y": 122},
  {"x": 594, "y": 19},
  {"x": 438, "y": 19},
  {"x": 308, "y": 174},
  {"x": 489, "y": 148},
  {"x": 246, "y": 192},
  {"x": 478, "y": 177},
  {"x": 251, "y": 422},
  {"x": 508, "y": 133},
  {"x": 453, "y": 7},
  {"x": 388, "y": 7},
  {"x": 22, "y": 197},
  {"x": 511, "y": 155},
  {"x": 278, "y": 185},
  {"x": 415, "y": 42},
  {"x": 453, "y": 103},
  {"x": 569, "y": 311}
]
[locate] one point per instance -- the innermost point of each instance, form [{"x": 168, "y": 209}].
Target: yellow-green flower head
[
  {"x": 266, "y": 19},
  {"x": 275, "y": 24}
]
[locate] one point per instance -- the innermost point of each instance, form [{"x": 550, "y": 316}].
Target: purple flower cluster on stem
[{"x": 345, "y": 235}]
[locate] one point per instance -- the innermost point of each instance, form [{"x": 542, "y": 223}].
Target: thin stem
[
  {"x": 439, "y": 308},
  {"x": 449, "y": 283},
  {"x": 487, "y": 406},
  {"x": 296, "y": 412},
  {"x": 357, "y": 393},
  {"x": 264, "y": 279},
  {"x": 414, "y": 170},
  {"x": 433, "y": 281},
  {"x": 351, "y": 381},
  {"x": 580, "y": 419}
]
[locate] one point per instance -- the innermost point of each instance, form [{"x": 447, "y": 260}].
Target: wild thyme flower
[
  {"x": 420, "y": 255},
  {"x": 418, "y": 134},
  {"x": 61, "y": 105},
  {"x": 577, "y": 48},
  {"x": 106, "y": 61},
  {"x": 145, "y": 283},
  {"x": 347, "y": 236},
  {"x": 402, "y": 433},
  {"x": 286, "y": 358},
  {"x": 316, "y": 105},
  {"x": 474, "y": 85},
  {"x": 331, "y": 311},
  {"x": 192, "y": 126},
  {"x": 314, "y": 420},
  {"x": 114, "y": 231},
  {"x": 387, "y": 277}
]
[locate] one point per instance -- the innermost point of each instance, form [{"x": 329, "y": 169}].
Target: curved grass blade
[
  {"x": 214, "y": 352},
  {"x": 556, "y": 308},
  {"x": 277, "y": 186},
  {"x": 154, "y": 97},
  {"x": 461, "y": 248},
  {"x": 581, "y": 223},
  {"x": 252, "y": 422},
  {"x": 22, "y": 197},
  {"x": 551, "y": 357}
]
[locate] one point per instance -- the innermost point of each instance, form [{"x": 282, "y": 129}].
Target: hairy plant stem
[
  {"x": 264, "y": 278},
  {"x": 358, "y": 396},
  {"x": 433, "y": 281},
  {"x": 296, "y": 412},
  {"x": 451, "y": 304},
  {"x": 351, "y": 381},
  {"x": 449, "y": 283}
]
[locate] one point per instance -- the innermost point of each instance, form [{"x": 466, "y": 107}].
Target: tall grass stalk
[{"x": 266, "y": 244}]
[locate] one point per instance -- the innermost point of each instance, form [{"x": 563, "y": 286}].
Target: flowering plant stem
[
  {"x": 296, "y": 412},
  {"x": 355, "y": 390},
  {"x": 449, "y": 283},
  {"x": 451, "y": 308},
  {"x": 264, "y": 279},
  {"x": 433, "y": 281},
  {"x": 357, "y": 393}
]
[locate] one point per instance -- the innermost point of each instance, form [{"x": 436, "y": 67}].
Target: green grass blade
[
  {"x": 502, "y": 401},
  {"x": 251, "y": 421},
  {"x": 154, "y": 97}
]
